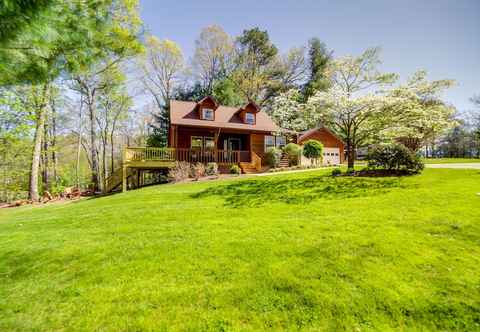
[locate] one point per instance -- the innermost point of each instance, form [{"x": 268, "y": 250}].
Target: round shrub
[
  {"x": 273, "y": 156},
  {"x": 313, "y": 149},
  {"x": 394, "y": 157},
  {"x": 336, "y": 172},
  {"x": 293, "y": 152},
  {"x": 234, "y": 169}
]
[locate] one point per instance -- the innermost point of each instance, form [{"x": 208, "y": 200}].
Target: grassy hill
[{"x": 300, "y": 252}]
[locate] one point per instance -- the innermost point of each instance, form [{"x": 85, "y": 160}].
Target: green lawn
[
  {"x": 294, "y": 252},
  {"x": 450, "y": 160}
]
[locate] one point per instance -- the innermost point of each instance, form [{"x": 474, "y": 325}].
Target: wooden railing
[
  {"x": 188, "y": 155},
  {"x": 256, "y": 161}
]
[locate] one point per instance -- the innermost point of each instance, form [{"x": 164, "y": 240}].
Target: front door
[{"x": 234, "y": 144}]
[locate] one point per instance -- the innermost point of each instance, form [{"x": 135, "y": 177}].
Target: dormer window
[
  {"x": 250, "y": 118},
  {"x": 207, "y": 114}
]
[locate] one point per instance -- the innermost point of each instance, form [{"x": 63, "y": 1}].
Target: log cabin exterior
[
  {"x": 204, "y": 132},
  {"x": 208, "y": 132}
]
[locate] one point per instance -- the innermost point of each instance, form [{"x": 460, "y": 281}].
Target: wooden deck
[{"x": 150, "y": 158}]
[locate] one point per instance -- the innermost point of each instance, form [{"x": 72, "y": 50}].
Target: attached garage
[{"x": 334, "y": 148}]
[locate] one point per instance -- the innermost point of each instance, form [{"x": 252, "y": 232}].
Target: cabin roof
[{"x": 185, "y": 113}]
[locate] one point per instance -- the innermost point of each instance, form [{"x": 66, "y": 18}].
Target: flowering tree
[
  {"x": 421, "y": 116},
  {"x": 354, "y": 106}
]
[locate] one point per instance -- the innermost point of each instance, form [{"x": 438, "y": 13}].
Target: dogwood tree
[
  {"x": 354, "y": 106},
  {"x": 422, "y": 116}
]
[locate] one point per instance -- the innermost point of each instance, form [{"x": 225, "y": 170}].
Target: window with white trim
[
  {"x": 207, "y": 114},
  {"x": 250, "y": 118},
  {"x": 280, "y": 141},
  {"x": 269, "y": 142}
]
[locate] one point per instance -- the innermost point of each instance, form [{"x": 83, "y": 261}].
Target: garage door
[{"x": 331, "y": 156}]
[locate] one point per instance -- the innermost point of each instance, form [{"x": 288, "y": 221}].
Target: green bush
[
  {"x": 336, "y": 172},
  {"x": 394, "y": 157},
  {"x": 273, "y": 156},
  {"x": 212, "y": 169},
  {"x": 235, "y": 170},
  {"x": 313, "y": 150},
  {"x": 293, "y": 152}
]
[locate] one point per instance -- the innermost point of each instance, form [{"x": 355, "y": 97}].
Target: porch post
[{"x": 124, "y": 178}]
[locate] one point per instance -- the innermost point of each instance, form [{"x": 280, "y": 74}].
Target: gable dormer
[
  {"x": 248, "y": 114},
  {"x": 206, "y": 108}
]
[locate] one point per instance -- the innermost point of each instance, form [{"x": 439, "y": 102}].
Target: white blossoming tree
[
  {"x": 354, "y": 107},
  {"x": 422, "y": 116}
]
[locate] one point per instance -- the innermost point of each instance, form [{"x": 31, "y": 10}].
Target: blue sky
[{"x": 441, "y": 36}]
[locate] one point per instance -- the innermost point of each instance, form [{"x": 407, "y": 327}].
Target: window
[
  {"x": 269, "y": 142},
  {"x": 209, "y": 143},
  {"x": 196, "y": 142},
  {"x": 207, "y": 114},
  {"x": 281, "y": 141},
  {"x": 200, "y": 142},
  {"x": 250, "y": 118}
]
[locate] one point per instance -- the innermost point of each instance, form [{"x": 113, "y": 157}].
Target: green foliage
[
  {"x": 311, "y": 248},
  {"x": 273, "y": 157},
  {"x": 313, "y": 149},
  {"x": 336, "y": 172},
  {"x": 212, "y": 169},
  {"x": 235, "y": 169},
  {"x": 293, "y": 152},
  {"x": 225, "y": 93},
  {"x": 394, "y": 157},
  {"x": 319, "y": 56}
]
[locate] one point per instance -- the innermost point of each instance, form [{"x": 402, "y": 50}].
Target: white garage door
[{"x": 331, "y": 156}]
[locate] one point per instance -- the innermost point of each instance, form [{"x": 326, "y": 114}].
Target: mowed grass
[
  {"x": 450, "y": 160},
  {"x": 287, "y": 252}
]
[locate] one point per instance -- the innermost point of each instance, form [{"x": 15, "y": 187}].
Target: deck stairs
[{"x": 114, "y": 181}]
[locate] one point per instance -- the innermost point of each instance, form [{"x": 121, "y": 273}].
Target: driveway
[{"x": 459, "y": 165}]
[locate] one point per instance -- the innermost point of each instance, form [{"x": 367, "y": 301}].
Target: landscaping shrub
[
  {"x": 179, "y": 172},
  {"x": 212, "y": 169},
  {"x": 273, "y": 156},
  {"x": 197, "y": 171},
  {"x": 313, "y": 150},
  {"x": 394, "y": 157},
  {"x": 235, "y": 170},
  {"x": 293, "y": 152},
  {"x": 336, "y": 172}
]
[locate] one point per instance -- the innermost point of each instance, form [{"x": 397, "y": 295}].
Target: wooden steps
[
  {"x": 284, "y": 162},
  {"x": 248, "y": 168}
]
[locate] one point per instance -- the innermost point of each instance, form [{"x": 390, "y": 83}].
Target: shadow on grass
[{"x": 253, "y": 193}]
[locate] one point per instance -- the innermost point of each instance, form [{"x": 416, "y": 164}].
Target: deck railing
[{"x": 188, "y": 155}]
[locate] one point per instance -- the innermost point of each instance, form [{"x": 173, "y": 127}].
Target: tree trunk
[
  {"x": 53, "y": 143},
  {"x": 45, "y": 158},
  {"x": 93, "y": 139},
  {"x": 37, "y": 147},
  {"x": 350, "y": 155}
]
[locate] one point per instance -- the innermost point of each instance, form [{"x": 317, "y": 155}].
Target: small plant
[
  {"x": 336, "y": 172},
  {"x": 273, "y": 157},
  {"x": 235, "y": 170},
  {"x": 394, "y": 157},
  {"x": 293, "y": 150},
  {"x": 313, "y": 150},
  {"x": 179, "y": 172},
  {"x": 212, "y": 169},
  {"x": 197, "y": 171}
]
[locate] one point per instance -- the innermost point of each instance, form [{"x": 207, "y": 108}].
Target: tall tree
[
  {"x": 213, "y": 56},
  {"x": 318, "y": 58},
  {"x": 161, "y": 67},
  {"x": 253, "y": 71}
]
